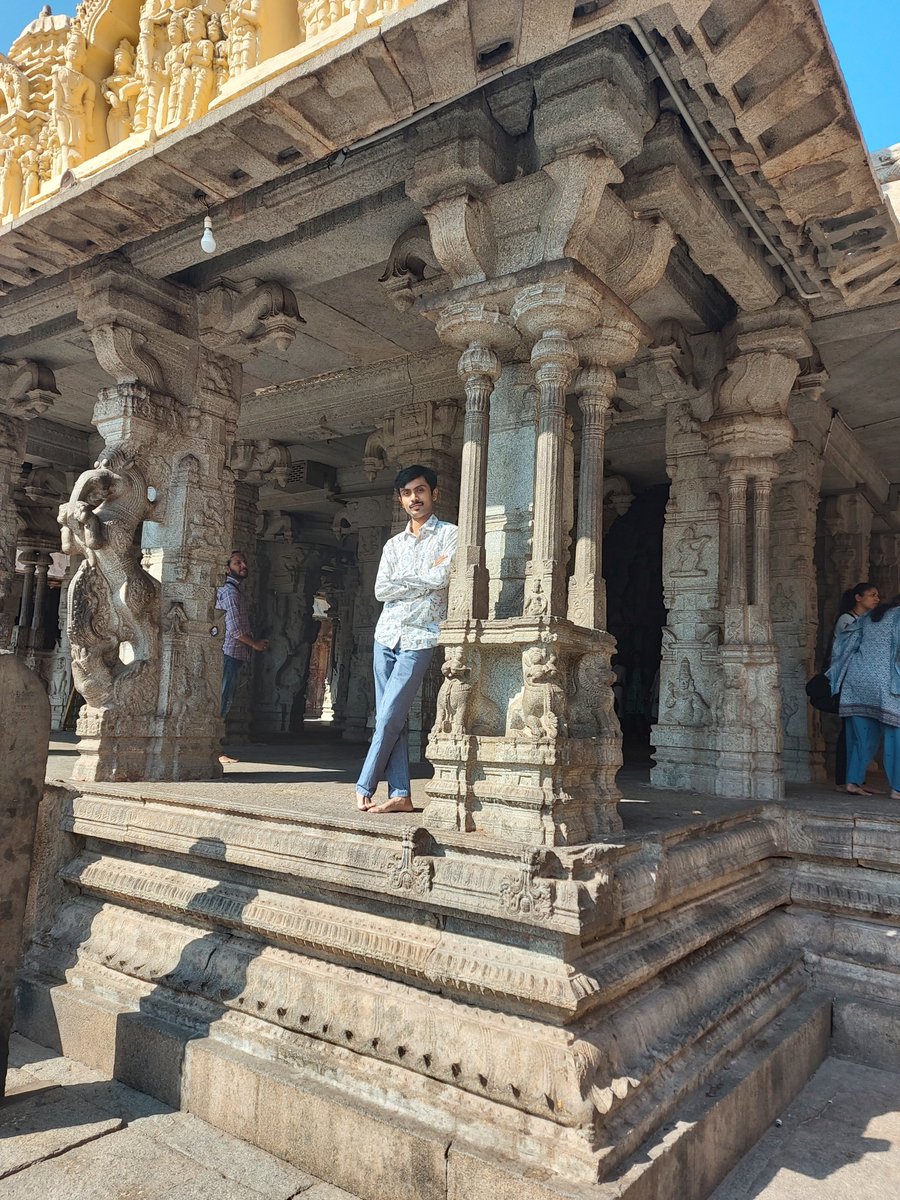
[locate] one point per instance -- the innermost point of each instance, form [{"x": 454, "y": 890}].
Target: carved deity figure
[
  {"x": 111, "y": 622},
  {"x": 689, "y": 552},
  {"x": 316, "y": 16},
  {"x": 683, "y": 699},
  {"x": 173, "y": 67},
  {"x": 121, "y": 91},
  {"x": 30, "y": 164},
  {"x": 538, "y": 710},
  {"x": 196, "y": 78},
  {"x": 10, "y": 179},
  {"x": 243, "y": 19},
  {"x": 221, "y": 67},
  {"x": 73, "y": 96}
]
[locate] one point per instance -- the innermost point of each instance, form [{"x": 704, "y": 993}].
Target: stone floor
[
  {"x": 315, "y": 777},
  {"x": 838, "y": 1140},
  {"x": 67, "y": 1133}
]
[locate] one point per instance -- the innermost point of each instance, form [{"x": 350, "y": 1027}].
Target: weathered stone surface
[
  {"x": 39, "y": 1125},
  {"x": 24, "y": 735}
]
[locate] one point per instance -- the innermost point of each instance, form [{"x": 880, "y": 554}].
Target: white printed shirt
[{"x": 413, "y": 589}]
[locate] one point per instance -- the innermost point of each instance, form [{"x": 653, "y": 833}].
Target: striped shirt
[{"x": 230, "y": 599}]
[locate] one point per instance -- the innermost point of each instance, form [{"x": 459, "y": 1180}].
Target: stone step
[{"x": 838, "y": 1139}]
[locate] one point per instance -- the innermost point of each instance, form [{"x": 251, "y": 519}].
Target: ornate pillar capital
[{"x": 239, "y": 321}]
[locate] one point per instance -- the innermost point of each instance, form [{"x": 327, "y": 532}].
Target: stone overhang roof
[{"x": 759, "y": 77}]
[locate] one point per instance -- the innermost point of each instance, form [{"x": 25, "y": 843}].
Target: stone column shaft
[
  {"x": 480, "y": 368},
  {"x": 587, "y": 592},
  {"x": 12, "y": 453},
  {"x": 555, "y": 358},
  {"x": 762, "y": 509},
  {"x": 737, "y": 538}
]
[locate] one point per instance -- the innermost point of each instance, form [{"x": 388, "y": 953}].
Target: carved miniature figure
[
  {"x": 221, "y": 66},
  {"x": 30, "y": 164},
  {"x": 73, "y": 96},
  {"x": 10, "y": 179},
  {"x": 196, "y": 78},
  {"x": 539, "y": 709},
  {"x": 689, "y": 551},
  {"x": 592, "y": 711},
  {"x": 243, "y": 50},
  {"x": 455, "y": 694},
  {"x": 120, "y": 91},
  {"x": 173, "y": 67}
]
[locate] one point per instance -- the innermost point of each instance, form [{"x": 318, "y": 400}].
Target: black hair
[
  {"x": 416, "y": 471},
  {"x": 885, "y": 606},
  {"x": 231, "y": 556},
  {"x": 848, "y": 599}
]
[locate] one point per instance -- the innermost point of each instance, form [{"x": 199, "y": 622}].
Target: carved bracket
[
  {"x": 239, "y": 321},
  {"x": 27, "y": 388}
]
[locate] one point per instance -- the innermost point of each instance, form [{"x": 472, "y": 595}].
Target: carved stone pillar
[
  {"x": 141, "y": 651},
  {"x": 526, "y": 744},
  {"x": 749, "y": 429},
  {"x": 884, "y": 562},
  {"x": 371, "y": 517},
  {"x": 26, "y": 390},
  {"x": 243, "y": 538},
  {"x": 478, "y": 332},
  {"x": 793, "y": 591},
  {"x": 595, "y": 386},
  {"x": 842, "y": 555},
  {"x": 289, "y": 579}
]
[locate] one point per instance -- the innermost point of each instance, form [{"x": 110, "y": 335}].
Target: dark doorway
[{"x": 632, "y": 565}]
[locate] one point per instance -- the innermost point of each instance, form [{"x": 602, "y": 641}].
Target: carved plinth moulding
[
  {"x": 408, "y": 871},
  {"x": 526, "y": 745}
]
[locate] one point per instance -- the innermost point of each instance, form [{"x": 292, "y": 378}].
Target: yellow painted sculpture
[{"x": 76, "y": 95}]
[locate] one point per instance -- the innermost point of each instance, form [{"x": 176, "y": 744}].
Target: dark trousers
[{"x": 230, "y": 672}]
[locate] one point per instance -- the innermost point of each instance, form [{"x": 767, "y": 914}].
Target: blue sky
[{"x": 865, "y": 34}]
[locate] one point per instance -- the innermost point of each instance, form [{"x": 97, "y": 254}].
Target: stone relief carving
[
  {"x": 538, "y": 710},
  {"x": 523, "y": 892},
  {"x": 683, "y": 700},
  {"x": 112, "y": 622},
  {"x": 689, "y": 552},
  {"x": 72, "y": 105},
  {"x": 591, "y": 709},
  {"x": 120, "y": 91},
  {"x": 406, "y": 871},
  {"x": 412, "y": 260},
  {"x": 462, "y": 707}
]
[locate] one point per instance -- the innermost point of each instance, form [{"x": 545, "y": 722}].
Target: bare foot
[
  {"x": 363, "y": 802},
  {"x": 895, "y": 795},
  {"x": 395, "y": 804},
  {"x": 856, "y": 789},
  {"x": 225, "y": 759}
]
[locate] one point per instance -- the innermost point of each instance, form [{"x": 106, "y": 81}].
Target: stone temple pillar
[
  {"x": 26, "y": 391},
  {"x": 747, "y": 433},
  {"x": 142, "y": 656},
  {"x": 794, "y": 594},
  {"x": 371, "y": 517},
  {"x": 526, "y": 744},
  {"x": 884, "y": 562},
  {"x": 842, "y": 555}
]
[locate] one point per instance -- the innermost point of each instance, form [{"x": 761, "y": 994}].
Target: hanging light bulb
[{"x": 207, "y": 242}]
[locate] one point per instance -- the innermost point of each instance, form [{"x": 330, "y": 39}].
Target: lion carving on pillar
[
  {"x": 539, "y": 709},
  {"x": 113, "y": 602}
]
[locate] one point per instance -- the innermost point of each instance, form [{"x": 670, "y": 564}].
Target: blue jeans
[
  {"x": 398, "y": 676},
  {"x": 230, "y": 672},
  {"x": 863, "y": 736}
]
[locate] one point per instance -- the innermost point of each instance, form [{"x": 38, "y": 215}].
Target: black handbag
[{"x": 820, "y": 695}]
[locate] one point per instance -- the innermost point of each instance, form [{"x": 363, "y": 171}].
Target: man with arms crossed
[{"x": 413, "y": 578}]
